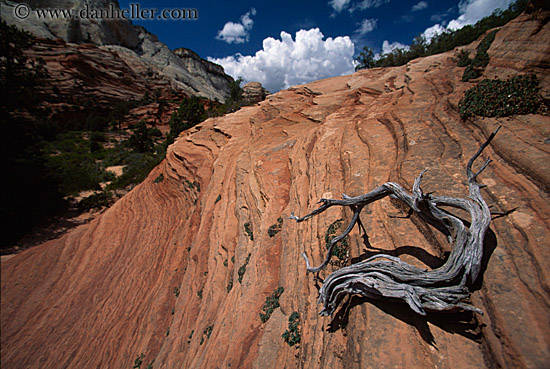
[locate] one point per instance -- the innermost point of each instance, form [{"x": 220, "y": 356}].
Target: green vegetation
[
  {"x": 218, "y": 199},
  {"x": 139, "y": 360},
  {"x": 73, "y": 164},
  {"x": 190, "y": 113},
  {"x": 96, "y": 201},
  {"x": 242, "y": 269},
  {"x": 176, "y": 291},
  {"x": 159, "y": 179},
  {"x": 248, "y": 230},
  {"x": 271, "y": 303},
  {"x": 19, "y": 76},
  {"x": 292, "y": 334},
  {"x": 190, "y": 336},
  {"x": 481, "y": 59},
  {"x": 443, "y": 42},
  {"x": 230, "y": 284},
  {"x": 50, "y": 157},
  {"x": 341, "y": 251},
  {"x": 142, "y": 138},
  {"x": 30, "y": 190},
  {"x": 463, "y": 58},
  {"x": 193, "y": 185},
  {"x": 233, "y": 103},
  {"x": 275, "y": 228},
  {"x": 206, "y": 332},
  {"x": 497, "y": 98},
  {"x": 199, "y": 293},
  {"x": 137, "y": 168}
]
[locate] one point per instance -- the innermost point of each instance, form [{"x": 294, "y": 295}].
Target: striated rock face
[
  {"x": 253, "y": 92},
  {"x": 517, "y": 48},
  {"x": 133, "y": 45},
  {"x": 210, "y": 73},
  {"x": 79, "y": 30},
  {"x": 80, "y": 72},
  {"x": 158, "y": 273}
]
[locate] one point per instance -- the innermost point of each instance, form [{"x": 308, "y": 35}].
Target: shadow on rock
[{"x": 463, "y": 323}]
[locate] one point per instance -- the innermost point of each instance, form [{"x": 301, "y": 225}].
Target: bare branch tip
[{"x": 293, "y": 217}]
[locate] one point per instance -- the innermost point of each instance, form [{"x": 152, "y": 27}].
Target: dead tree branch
[{"x": 384, "y": 276}]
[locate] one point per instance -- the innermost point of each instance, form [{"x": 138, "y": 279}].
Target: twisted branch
[{"x": 384, "y": 276}]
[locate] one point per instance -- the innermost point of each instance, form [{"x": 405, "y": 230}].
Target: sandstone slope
[{"x": 151, "y": 275}]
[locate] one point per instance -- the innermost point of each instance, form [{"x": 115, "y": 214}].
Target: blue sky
[{"x": 282, "y": 43}]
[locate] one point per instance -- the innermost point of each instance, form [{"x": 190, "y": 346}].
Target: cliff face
[
  {"x": 203, "y": 69},
  {"x": 158, "y": 273},
  {"x": 128, "y": 44}
]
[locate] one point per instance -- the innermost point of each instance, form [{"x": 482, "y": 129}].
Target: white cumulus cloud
[
  {"x": 366, "y": 26},
  {"x": 237, "y": 32},
  {"x": 421, "y": 5},
  {"x": 286, "y": 62},
  {"x": 388, "y": 47},
  {"x": 433, "y": 31},
  {"x": 473, "y": 10}
]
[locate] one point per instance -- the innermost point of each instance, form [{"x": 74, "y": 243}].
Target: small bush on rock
[{"x": 497, "y": 98}]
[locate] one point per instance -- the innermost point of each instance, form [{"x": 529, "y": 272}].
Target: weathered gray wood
[{"x": 384, "y": 276}]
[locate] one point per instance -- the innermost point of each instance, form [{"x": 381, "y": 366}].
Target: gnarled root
[{"x": 384, "y": 276}]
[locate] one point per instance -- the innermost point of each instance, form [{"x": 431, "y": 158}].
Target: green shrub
[
  {"x": 229, "y": 284},
  {"x": 139, "y": 360},
  {"x": 481, "y": 59},
  {"x": 248, "y": 230},
  {"x": 73, "y": 161},
  {"x": 176, "y": 291},
  {"x": 470, "y": 73},
  {"x": 19, "y": 76},
  {"x": 96, "y": 201},
  {"x": 138, "y": 167},
  {"x": 497, "y": 98},
  {"x": 341, "y": 251},
  {"x": 242, "y": 269},
  {"x": 463, "y": 58},
  {"x": 159, "y": 179},
  {"x": 271, "y": 303},
  {"x": 275, "y": 228},
  {"x": 189, "y": 114},
  {"x": 208, "y": 331},
  {"x": 292, "y": 334},
  {"x": 143, "y": 138}
]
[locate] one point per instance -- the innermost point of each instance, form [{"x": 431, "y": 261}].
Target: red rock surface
[
  {"x": 106, "y": 292},
  {"x": 88, "y": 72}
]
